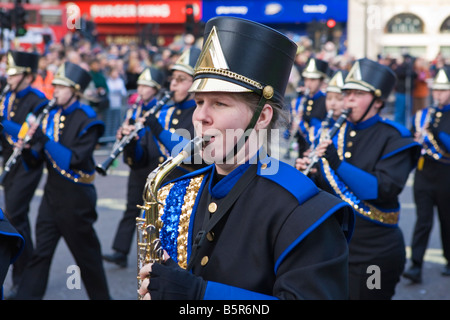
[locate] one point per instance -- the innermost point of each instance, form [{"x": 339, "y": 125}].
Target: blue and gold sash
[
  {"x": 178, "y": 198},
  {"x": 384, "y": 217}
]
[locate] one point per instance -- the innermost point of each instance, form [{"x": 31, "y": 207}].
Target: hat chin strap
[
  {"x": 20, "y": 82},
  {"x": 250, "y": 126},
  {"x": 367, "y": 111}
]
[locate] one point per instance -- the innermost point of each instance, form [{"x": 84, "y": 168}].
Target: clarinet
[
  {"x": 295, "y": 123},
  {"x": 24, "y": 132},
  {"x": 117, "y": 150},
  {"x": 329, "y": 135},
  {"x": 5, "y": 90}
]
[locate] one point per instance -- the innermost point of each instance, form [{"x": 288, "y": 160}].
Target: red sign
[{"x": 138, "y": 11}]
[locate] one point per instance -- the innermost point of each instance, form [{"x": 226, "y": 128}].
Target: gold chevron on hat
[
  {"x": 355, "y": 81},
  {"x": 212, "y": 61},
  {"x": 441, "y": 81},
  {"x": 13, "y": 69},
  {"x": 145, "y": 78}
]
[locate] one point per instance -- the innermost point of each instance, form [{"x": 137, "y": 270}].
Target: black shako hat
[
  {"x": 336, "y": 82},
  {"x": 240, "y": 55},
  {"x": 442, "y": 79},
  {"x": 71, "y": 75},
  {"x": 315, "y": 69},
  {"x": 368, "y": 75},
  {"x": 151, "y": 77},
  {"x": 186, "y": 62},
  {"x": 21, "y": 62}
]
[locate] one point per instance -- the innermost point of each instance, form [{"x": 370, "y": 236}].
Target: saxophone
[{"x": 148, "y": 224}]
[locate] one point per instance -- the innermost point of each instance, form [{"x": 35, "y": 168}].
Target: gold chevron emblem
[{"x": 212, "y": 55}]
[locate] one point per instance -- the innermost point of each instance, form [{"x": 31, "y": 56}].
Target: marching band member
[
  {"x": 149, "y": 85},
  {"x": 367, "y": 165},
  {"x": 20, "y": 182},
  {"x": 431, "y": 128},
  {"x": 248, "y": 226},
  {"x": 65, "y": 141}
]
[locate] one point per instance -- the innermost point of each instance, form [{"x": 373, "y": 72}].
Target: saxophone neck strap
[{"x": 228, "y": 201}]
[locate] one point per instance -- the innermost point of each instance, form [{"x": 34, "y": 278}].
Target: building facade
[{"x": 420, "y": 28}]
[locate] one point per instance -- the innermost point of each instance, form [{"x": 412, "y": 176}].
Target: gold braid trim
[
  {"x": 229, "y": 74},
  {"x": 373, "y": 213}
]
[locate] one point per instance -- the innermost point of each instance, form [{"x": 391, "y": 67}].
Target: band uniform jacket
[
  {"x": 377, "y": 157},
  {"x": 14, "y": 111},
  {"x": 150, "y": 150},
  {"x": 281, "y": 238}
]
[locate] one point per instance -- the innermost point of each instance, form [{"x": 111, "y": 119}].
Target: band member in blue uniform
[
  {"x": 19, "y": 182},
  {"x": 431, "y": 128},
  {"x": 65, "y": 141},
  {"x": 320, "y": 129},
  {"x": 168, "y": 127},
  {"x": 368, "y": 166},
  {"x": 310, "y": 103},
  {"x": 148, "y": 86},
  {"x": 11, "y": 246},
  {"x": 247, "y": 226}
]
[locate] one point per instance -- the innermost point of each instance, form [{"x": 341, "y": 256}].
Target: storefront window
[{"x": 405, "y": 23}]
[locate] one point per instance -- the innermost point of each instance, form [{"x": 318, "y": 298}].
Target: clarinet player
[
  {"x": 65, "y": 141},
  {"x": 149, "y": 85},
  {"x": 431, "y": 127},
  {"x": 367, "y": 164},
  {"x": 20, "y": 182}
]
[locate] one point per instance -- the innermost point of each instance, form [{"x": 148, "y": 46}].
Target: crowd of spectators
[{"x": 115, "y": 68}]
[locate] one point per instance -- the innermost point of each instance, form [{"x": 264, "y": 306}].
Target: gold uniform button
[
  {"x": 61, "y": 125},
  {"x": 210, "y": 236},
  {"x": 348, "y": 154},
  {"x": 310, "y": 102},
  {"x": 308, "y": 108},
  {"x": 264, "y": 166},
  {"x": 12, "y": 114},
  {"x": 161, "y": 159},
  {"x": 438, "y": 114},
  {"x": 352, "y": 133},
  {"x": 350, "y": 143},
  {"x": 62, "y": 118},
  {"x": 178, "y": 112},
  {"x": 204, "y": 261},
  {"x": 175, "y": 121},
  {"x": 212, "y": 207},
  {"x": 172, "y": 130}
]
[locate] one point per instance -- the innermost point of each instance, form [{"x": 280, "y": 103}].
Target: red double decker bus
[{"x": 44, "y": 23}]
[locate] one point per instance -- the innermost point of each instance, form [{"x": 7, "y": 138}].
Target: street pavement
[{"x": 122, "y": 282}]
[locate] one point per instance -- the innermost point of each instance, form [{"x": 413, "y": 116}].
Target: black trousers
[
  {"x": 431, "y": 190},
  {"x": 19, "y": 187},
  {"x": 72, "y": 218}
]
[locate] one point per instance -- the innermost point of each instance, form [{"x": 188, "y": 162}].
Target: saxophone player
[
  {"x": 243, "y": 227},
  {"x": 65, "y": 141},
  {"x": 431, "y": 127},
  {"x": 20, "y": 182},
  {"x": 367, "y": 164}
]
